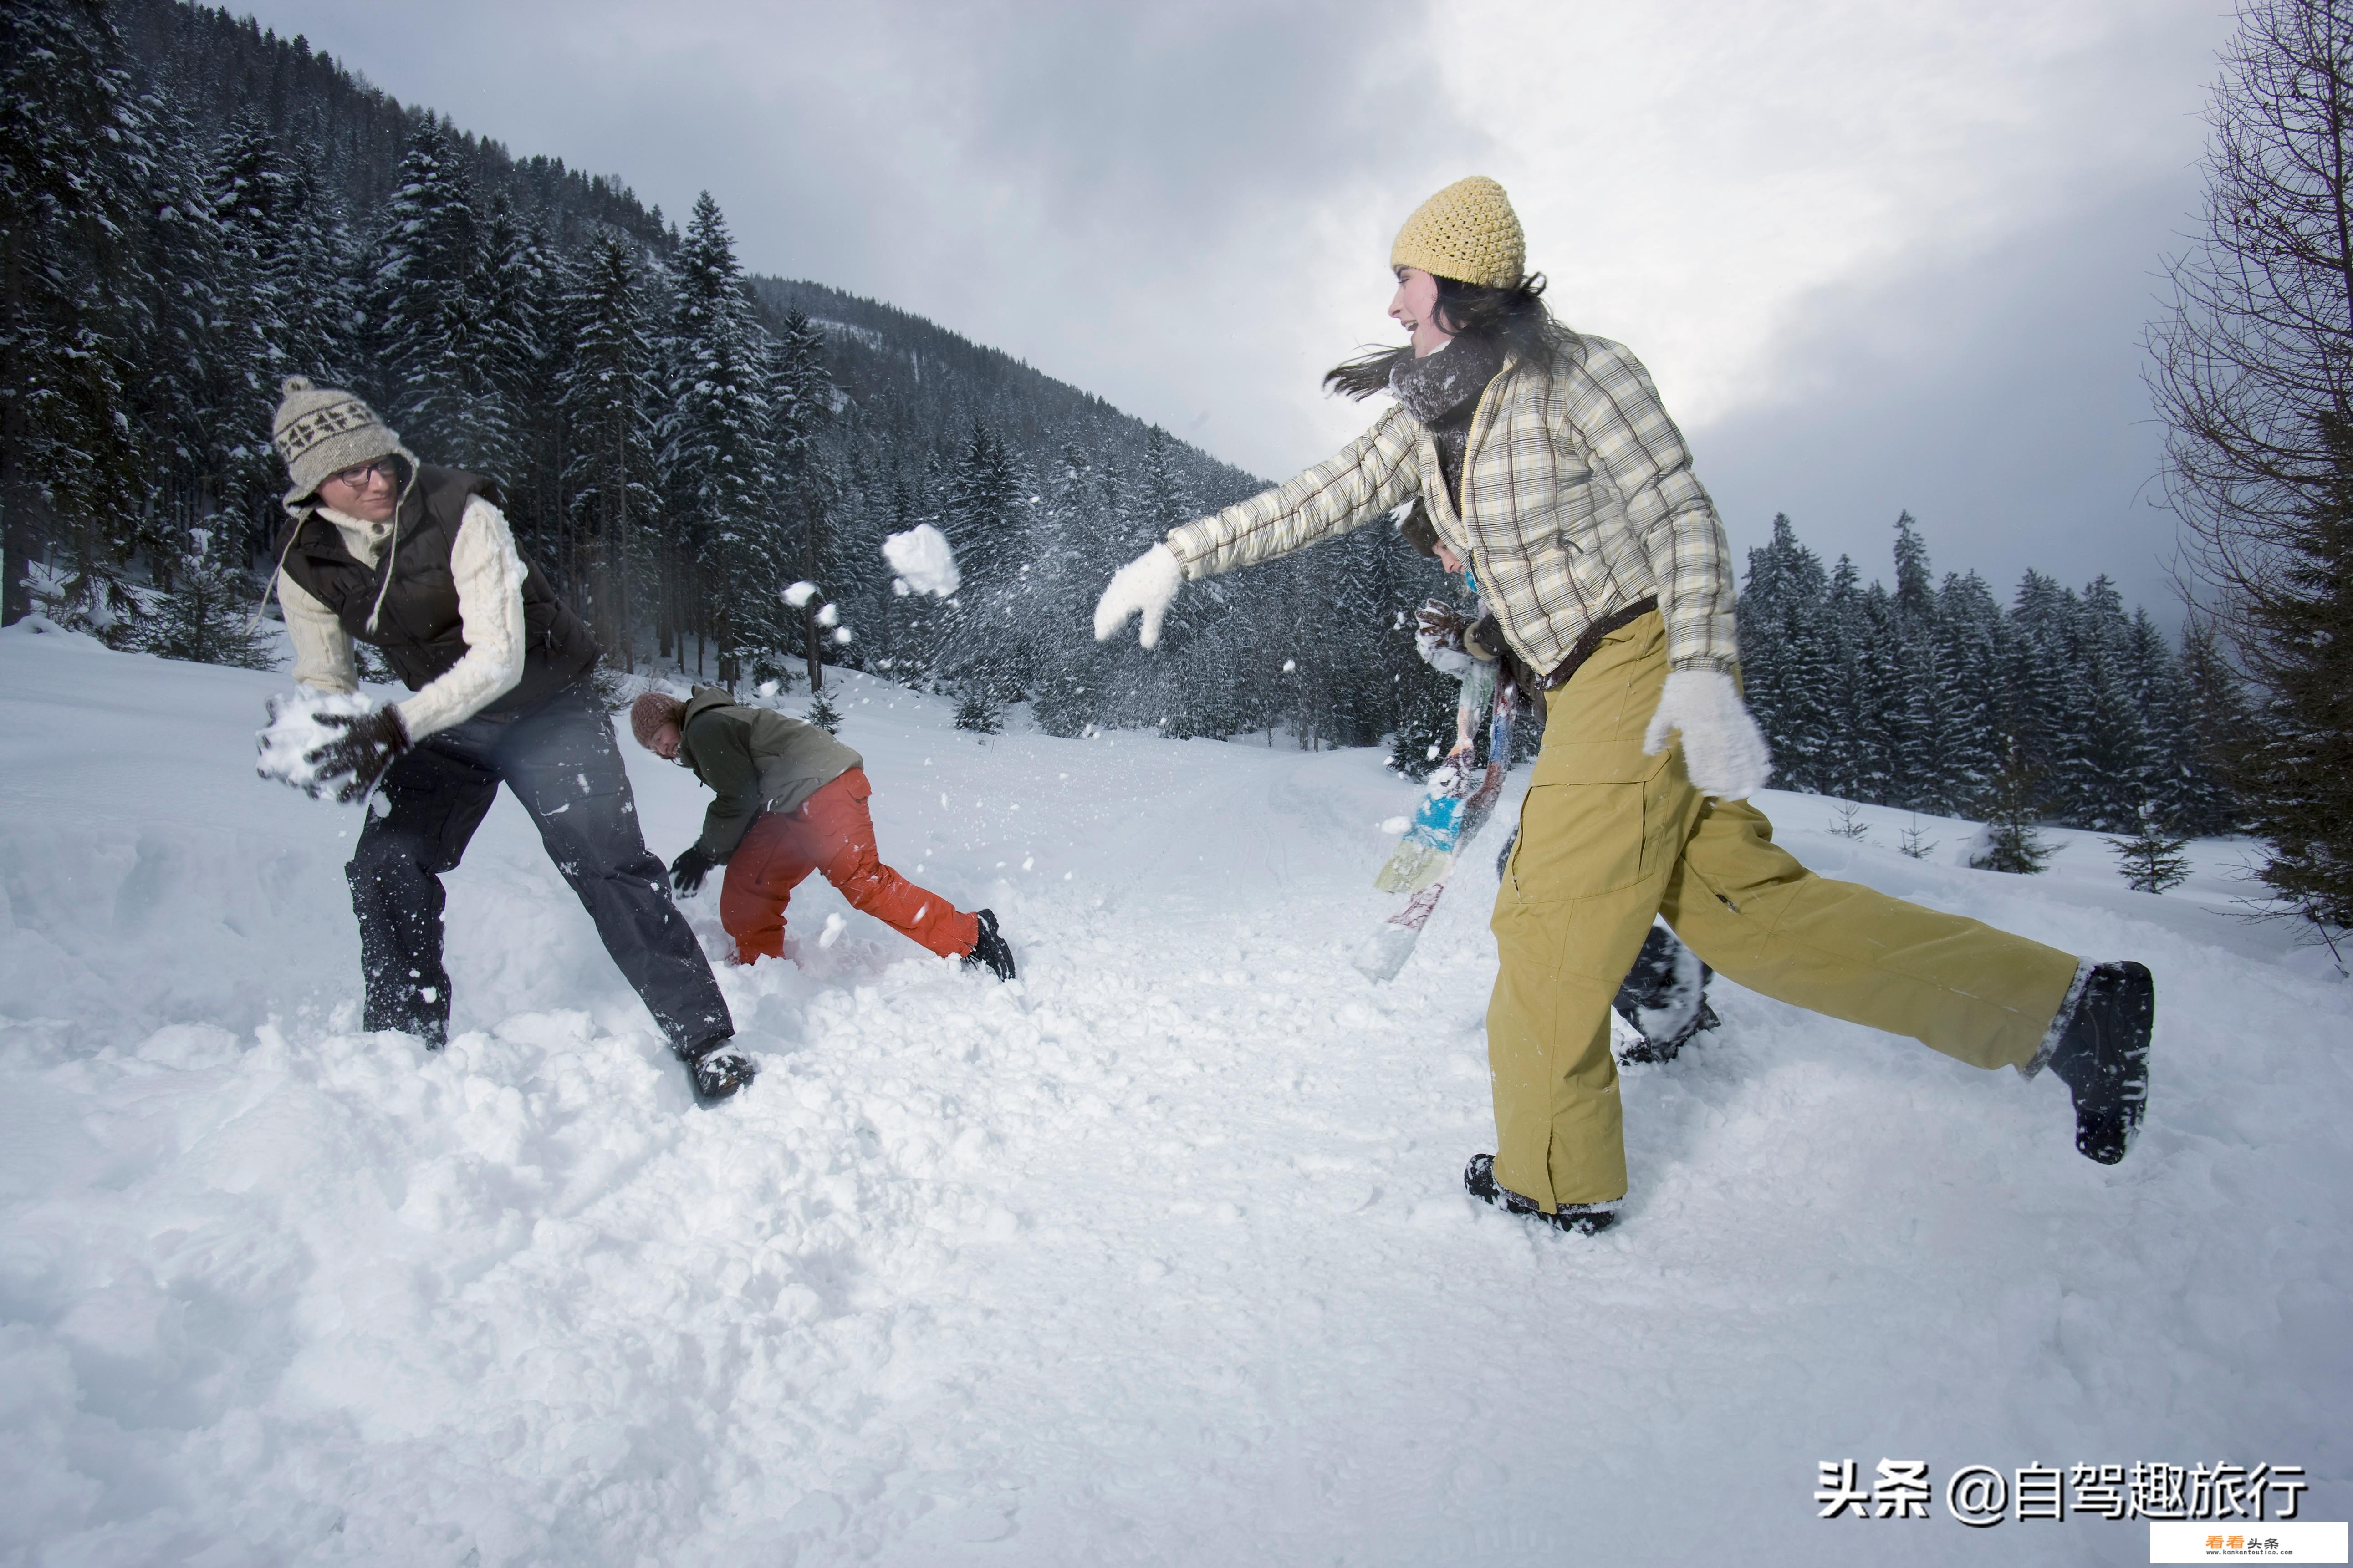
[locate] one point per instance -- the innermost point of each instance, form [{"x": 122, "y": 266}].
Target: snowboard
[{"x": 1457, "y": 805}]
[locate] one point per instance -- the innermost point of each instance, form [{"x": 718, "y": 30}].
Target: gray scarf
[{"x": 1442, "y": 390}]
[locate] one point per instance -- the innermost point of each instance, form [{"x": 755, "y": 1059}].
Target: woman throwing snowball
[{"x": 1546, "y": 463}]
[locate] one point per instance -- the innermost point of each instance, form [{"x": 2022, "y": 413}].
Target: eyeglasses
[{"x": 359, "y": 474}]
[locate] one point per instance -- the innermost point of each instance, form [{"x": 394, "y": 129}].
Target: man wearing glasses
[{"x": 419, "y": 562}]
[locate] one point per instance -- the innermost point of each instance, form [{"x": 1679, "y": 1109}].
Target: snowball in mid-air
[
  {"x": 830, "y": 616},
  {"x": 301, "y": 724},
  {"x": 923, "y": 562},
  {"x": 801, "y": 594}
]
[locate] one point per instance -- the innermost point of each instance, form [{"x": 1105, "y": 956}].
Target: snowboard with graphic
[{"x": 1458, "y": 803}]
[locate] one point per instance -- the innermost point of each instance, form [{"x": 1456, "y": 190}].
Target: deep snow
[{"x": 1157, "y": 1256}]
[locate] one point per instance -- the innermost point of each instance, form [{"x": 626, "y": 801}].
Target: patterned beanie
[
  {"x": 322, "y": 430},
  {"x": 648, "y": 713},
  {"x": 1467, "y": 232}
]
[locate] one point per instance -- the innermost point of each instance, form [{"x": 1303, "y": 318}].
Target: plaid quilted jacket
[{"x": 1577, "y": 502}]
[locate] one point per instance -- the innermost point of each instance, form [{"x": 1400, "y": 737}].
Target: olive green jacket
[{"x": 756, "y": 760}]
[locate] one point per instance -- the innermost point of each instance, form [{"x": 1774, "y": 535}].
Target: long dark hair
[{"x": 1516, "y": 317}]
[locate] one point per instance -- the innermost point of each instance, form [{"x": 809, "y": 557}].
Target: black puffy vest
[{"x": 418, "y": 628}]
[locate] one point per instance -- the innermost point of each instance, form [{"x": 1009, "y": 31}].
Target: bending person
[
  {"x": 792, "y": 800},
  {"x": 1547, "y": 464},
  {"x": 419, "y": 561}
]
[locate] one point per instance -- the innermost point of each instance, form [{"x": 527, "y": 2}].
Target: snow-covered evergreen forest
[
  {"x": 1935, "y": 697},
  {"x": 199, "y": 209},
  {"x": 211, "y": 208}
]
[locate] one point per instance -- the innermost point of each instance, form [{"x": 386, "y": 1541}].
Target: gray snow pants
[{"x": 560, "y": 760}]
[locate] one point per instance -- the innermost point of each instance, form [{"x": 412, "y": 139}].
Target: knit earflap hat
[
  {"x": 322, "y": 430},
  {"x": 1467, "y": 232}
]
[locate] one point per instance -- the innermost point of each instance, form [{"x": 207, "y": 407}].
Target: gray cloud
[{"x": 1996, "y": 396}]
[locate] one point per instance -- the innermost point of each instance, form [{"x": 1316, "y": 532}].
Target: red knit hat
[{"x": 648, "y": 713}]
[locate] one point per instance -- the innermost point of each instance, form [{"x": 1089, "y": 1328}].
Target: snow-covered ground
[{"x": 1157, "y": 1256}]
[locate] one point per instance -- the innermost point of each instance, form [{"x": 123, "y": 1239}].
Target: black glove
[
  {"x": 349, "y": 765},
  {"x": 686, "y": 872},
  {"x": 1485, "y": 639},
  {"x": 1437, "y": 627}
]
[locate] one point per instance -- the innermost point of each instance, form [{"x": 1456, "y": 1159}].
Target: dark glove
[
  {"x": 1438, "y": 631},
  {"x": 1485, "y": 639},
  {"x": 686, "y": 872},
  {"x": 349, "y": 765}
]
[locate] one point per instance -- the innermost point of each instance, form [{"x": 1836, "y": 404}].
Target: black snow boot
[
  {"x": 990, "y": 951},
  {"x": 1664, "y": 996},
  {"x": 2103, "y": 1056},
  {"x": 718, "y": 1068},
  {"x": 1579, "y": 1220}
]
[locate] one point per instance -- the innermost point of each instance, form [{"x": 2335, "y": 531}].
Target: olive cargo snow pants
[
  {"x": 1608, "y": 837},
  {"x": 560, "y": 760}
]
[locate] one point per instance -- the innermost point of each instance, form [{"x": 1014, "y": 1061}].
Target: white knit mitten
[
  {"x": 1724, "y": 750},
  {"x": 1146, "y": 585}
]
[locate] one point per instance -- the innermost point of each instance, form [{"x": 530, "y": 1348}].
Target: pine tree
[
  {"x": 1967, "y": 671},
  {"x": 824, "y": 714},
  {"x": 424, "y": 316},
  {"x": 272, "y": 320},
  {"x": 1069, "y": 669},
  {"x": 609, "y": 397},
  {"x": 510, "y": 292},
  {"x": 540, "y": 291},
  {"x": 2152, "y": 858},
  {"x": 2296, "y": 775},
  {"x": 207, "y": 616},
  {"x": 2010, "y": 841},
  {"x": 73, "y": 159},
  {"x": 984, "y": 518},
  {"x": 2251, "y": 378},
  {"x": 715, "y": 453},
  {"x": 805, "y": 497},
  {"x": 978, "y": 713},
  {"x": 2216, "y": 720},
  {"x": 1786, "y": 657},
  {"x": 194, "y": 358}
]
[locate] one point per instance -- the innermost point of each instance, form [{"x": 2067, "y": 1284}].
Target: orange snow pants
[{"x": 830, "y": 832}]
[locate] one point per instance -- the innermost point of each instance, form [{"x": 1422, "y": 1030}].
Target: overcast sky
[{"x": 1877, "y": 256}]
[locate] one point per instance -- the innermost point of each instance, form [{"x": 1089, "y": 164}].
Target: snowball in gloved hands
[
  {"x": 350, "y": 763},
  {"x": 1724, "y": 750},
  {"x": 1144, "y": 585},
  {"x": 330, "y": 745}
]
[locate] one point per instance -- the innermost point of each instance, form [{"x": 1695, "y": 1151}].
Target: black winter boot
[
  {"x": 2103, "y": 1056},
  {"x": 1579, "y": 1219},
  {"x": 1664, "y": 996},
  {"x": 718, "y": 1068},
  {"x": 990, "y": 951}
]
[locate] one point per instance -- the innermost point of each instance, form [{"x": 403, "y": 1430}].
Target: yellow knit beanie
[{"x": 1467, "y": 232}]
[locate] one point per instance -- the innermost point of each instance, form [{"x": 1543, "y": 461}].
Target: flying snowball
[
  {"x": 829, "y": 615},
  {"x": 923, "y": 562},
  {"x": 801, "y": 594},
  {"x": 841, "y": 637}
]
